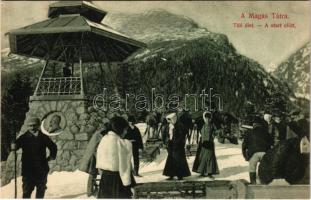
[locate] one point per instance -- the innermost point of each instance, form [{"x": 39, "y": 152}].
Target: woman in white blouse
[{"x": 114, "y": 160}]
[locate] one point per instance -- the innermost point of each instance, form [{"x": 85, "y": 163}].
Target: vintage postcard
[{"x": 155, "y": 99}]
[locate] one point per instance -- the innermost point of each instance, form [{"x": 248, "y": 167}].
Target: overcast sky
[{"x": 267, "y": 46}]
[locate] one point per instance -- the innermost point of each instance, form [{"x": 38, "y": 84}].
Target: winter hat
[
  {"x": 171, "y": 118},
  {"x": 207, "y": 115},
  {"x": 118, "y": 124},
  {"x": 267, "y": 117}
]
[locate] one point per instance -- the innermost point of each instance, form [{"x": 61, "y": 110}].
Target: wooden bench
[
  {"x": 177, "y": 189},
  {"x": 219, "y": 189}
]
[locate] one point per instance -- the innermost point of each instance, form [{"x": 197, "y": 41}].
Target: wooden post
[
  {"x": 81, "y": 68},
  {"x": 102, "y": 75},
  {"x": 210, "y": 99},
  {"x": 72, "y": 69},
  {"x": 81, "y": 74},
  {"x": 15, "y": 166},
  {"x": 37, "y": 87}
]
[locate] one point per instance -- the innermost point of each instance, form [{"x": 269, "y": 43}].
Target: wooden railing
[{"x": 59, "y": 86}]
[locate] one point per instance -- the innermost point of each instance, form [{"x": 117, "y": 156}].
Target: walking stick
[
  {"x": 15, "y": 167},
  {"x": 15, "y": 177}
]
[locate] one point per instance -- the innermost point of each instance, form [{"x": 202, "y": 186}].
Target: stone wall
[{"x": 79, "y": 122}]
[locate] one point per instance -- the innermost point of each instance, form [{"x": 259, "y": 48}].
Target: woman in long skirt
[
  {"x": 205, "y": 161},
  {"x": 176, "y": 162},
  {"x": 114, "y": 160}
]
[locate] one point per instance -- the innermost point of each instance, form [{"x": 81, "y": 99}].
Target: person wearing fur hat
[
  {"x": 35, "y": 166},
  {"x": 133, "y": 134},
  {"x": 176, "y": 163},
  {"x": 205, "y": 161},
  {"x": 114, "y": 160},
  {"x": 256, "y": 143}
]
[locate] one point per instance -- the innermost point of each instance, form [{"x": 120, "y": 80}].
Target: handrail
[{"x": 59, "y": 86}]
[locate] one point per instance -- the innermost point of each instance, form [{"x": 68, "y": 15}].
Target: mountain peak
[
  {"x": 296, "y": 71},
  {"x": 156, "y": 11},
  {"x": 158, "y": 25}
]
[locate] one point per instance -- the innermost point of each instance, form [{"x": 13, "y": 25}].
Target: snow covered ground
[{"x": 231, "y": 164}]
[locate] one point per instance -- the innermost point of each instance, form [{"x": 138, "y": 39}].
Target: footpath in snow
[{"x": 231, "y": 164}]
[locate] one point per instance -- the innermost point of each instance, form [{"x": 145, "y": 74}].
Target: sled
[
  {"x": 154, "y": 142},
  {"x": 150, "y": 153},
  {"x": 191, "y": 149},
  {"x": 230, "y": 138}
]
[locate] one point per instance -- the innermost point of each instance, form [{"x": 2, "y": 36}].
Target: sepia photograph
[{"x": 155, "y": 99}]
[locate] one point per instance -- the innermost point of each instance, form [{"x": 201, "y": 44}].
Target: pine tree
[{"x": 14, "y": 105}]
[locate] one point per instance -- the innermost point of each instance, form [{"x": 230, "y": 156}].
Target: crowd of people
[
  {"x": 273, "y": 145},
  {"x": 113, "y": 150}
]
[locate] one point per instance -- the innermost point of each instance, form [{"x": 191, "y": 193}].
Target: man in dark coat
[
  {"x": 281, "y": 127},
  {"x": 176, "y": 163},
  {"x": 299, "y": 124},
  {"x": 133, "y": 134},
  {"x": 256, "y": 143},
  {"x": 35, "y": 166}
]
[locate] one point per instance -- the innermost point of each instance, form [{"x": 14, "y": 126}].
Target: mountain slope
[
  {"x": 190, "y": 66},
  {"x": 183, "y": 57},
  {"x": 296, "y": 71},
  {"x": 160, "y": 25},
  {"x": 178, "y": 47}
]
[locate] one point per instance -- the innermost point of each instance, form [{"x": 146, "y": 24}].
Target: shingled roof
[{"x": 70, "y": 26}]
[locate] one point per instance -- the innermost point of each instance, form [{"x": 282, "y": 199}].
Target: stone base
[{"x": 78, "y": 123}]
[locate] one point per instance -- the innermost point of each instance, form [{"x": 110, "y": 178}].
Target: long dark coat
[
  {"x": 284, "y": 160},
  {"x": 34, "y": 160},
  {"x": 176, "y": 163},
  {"x": 137, "y": 143},
  {"x": 257, "y": 140},
  {"x": 301, "y": 127},
  {"x": 205, "y": 160}
]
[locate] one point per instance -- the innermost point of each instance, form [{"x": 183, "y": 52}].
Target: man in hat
[
  {"x": 290, "y": 158},
  {"x": 256, "y": 143},
  {"x": 35, "y": 166},
  {"x": 271, "y": 127},
  {"x": 299, "y": 124}
]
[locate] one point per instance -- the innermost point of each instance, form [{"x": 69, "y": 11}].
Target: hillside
[
  {"x": 181, "y": 57},
  {"x": 160, "y": 25},
  {"x": 178, "y": 47},
  {"x": 296, "y": 71}
]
